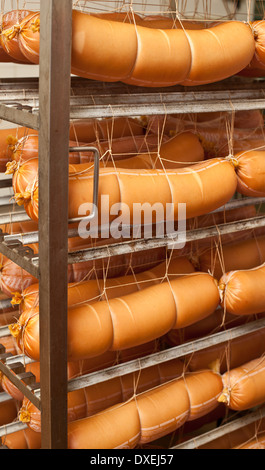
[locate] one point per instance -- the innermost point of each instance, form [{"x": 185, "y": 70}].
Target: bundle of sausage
[{"x": 138, "y": 54}]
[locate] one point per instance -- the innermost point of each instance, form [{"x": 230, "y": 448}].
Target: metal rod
[
  {"x": 4, "y": 331},
  {"x": 54, "y": 84},
  {"x": 20, "y": 255},
  {"x": 5, "y": 303},
  {"x": 210, "y": 436},
  {"x": 12, "y": 427},
  {"x": 143, "y": 244},
  {"x": 23, "y": 387},
  {"x": 163, "y": 356}
]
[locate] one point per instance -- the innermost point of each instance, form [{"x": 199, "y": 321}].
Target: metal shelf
[
  {"x": 13, "y": 246},
  {"x": 19, "y": 100}
]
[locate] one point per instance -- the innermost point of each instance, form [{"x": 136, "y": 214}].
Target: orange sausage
[
  {"x": 229, "y": 355},
  {"x": 124, "y": 322},
  {"x": 244, "y": 254},
  {"x": 242, "y": 292},
  {"x": 8, "y": 411},
  {"x": 250, "y": 169},
  {"x": 149, "y": 416},
  {"x": 243, "y": 387},
  {"x": 258, "y": 442},
  {"x": 146, "y": 56},
  {"x": 108, "y": 288},
  {"x": 236, "y": 438},
  {"x": 8, "y": 139},
  {"x": 199, "y": 186},
  {"x": 25, "y": 439},
  {"x": 225, "y": 56},
  {"x": 95, "y": 398},
  {"x": 10, "y": 27},
  {"x": 177, "y": 152}
]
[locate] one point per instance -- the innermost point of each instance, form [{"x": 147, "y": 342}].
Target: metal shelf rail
[{"x": 45, "y": 106}]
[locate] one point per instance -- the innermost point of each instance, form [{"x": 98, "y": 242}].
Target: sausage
[
  {"x": 199, "y": 186},
  {"x": 8, "y": 412},
  {"x": 148, "y": 416},
  {"x": 9, "y": 41},
  {"x": 177, "y": 152},
  {"x": 8, "y": 139},
  {"x": 209, "y": 325},
  {"x": 225, "y": 56},
  {"x": 148, "y": 56},
  {"x": 110, "y": 287},
  {"x": 134, "y": 319},
  {"x": 244, "y": 254},
  {"x": 242, "y": 292},
  {"x": 24, "y": 439},
  {"x": 184, "y": 147},
  {"x": 229, "y": 355},
  {"x": 235, "y": 438},
  {"x": 258, "y": 442},
  {"x": 243, "y": 387},
  {"x": 250, "y": 169},
  {"x": 95, "y": 398}
]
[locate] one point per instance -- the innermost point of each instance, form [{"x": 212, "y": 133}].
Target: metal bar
[
  {"x": 105, "y": 251},
  {"x": 163, "y": 356},
  {"x": 12, "y": 217},
  {"x": 19, "y": 116},
  {"x": 152, "y": 359},
  {"x": 4, "y": 331},
  {"x": 5, "y": 303},
  {"x": 54, "y": 85},
  {"x": 20, "y": 255},
  {"x": 33, "y": 237},
  {"x": 209, "y": 436},
  {"x": 12, "y": 427},
  {"x": 90, "y": 99},
  {"x": 170, "y": 241},
  {"x": 16, "y": 380},
  {"x": 106, "y": 110},
  {"x": 244, "y": 202}
]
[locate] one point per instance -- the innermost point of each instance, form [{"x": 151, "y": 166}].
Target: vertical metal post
[{"x": 54, "y": 97}]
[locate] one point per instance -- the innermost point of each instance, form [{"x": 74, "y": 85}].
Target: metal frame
[{"x": 44, "y": 106}]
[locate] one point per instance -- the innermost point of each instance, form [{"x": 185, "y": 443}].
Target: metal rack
[{"x": 45, "y": 106}]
